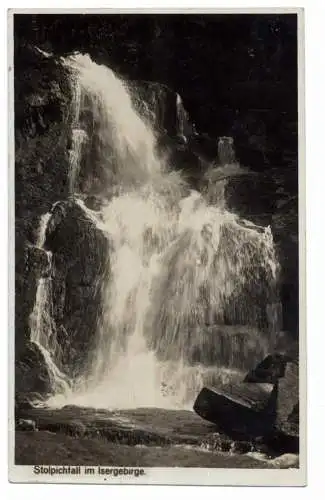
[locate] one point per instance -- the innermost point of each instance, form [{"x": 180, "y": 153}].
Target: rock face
[
  {"x": 288, "y": 401},
  {"x": 163, "y": 108},
  {"x": 31, "y": 372},
  {"x": 271, "y": 199},
  {"x": 177, "y": 138},
  {"x": 80, "y": 263},
  {"x": 41, "y": 167}
]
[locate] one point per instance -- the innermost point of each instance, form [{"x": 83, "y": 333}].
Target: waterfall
[
  {"x": 41, "y": 233},
  {"x": 190, "y": 283},
  {"x": 126, "y": 158},
  {"x": 78, "y": 138},
  {"x": 42, "y": 325}
]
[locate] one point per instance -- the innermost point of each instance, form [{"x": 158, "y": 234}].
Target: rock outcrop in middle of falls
[
  {"x": 163, "y": 108},
  {"x": 80, "y": 263}
]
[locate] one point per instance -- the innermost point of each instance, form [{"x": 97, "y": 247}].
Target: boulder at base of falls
[
  {"x": 265, "y": 404},
  {"x": 239, "y": 410}
]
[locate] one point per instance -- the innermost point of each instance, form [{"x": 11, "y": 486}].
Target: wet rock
[
  {"x": 177, "y": 138},
  {"x": 76, "y": 242},
  {"x": 287, "y": 420},
  {"x": 58, "y": 213},
  {"x": 163, "y": 108},
  {"x": 38, "y": 262},
  {"x": 94, "y": 202},
  {"x": 285, "y": 230},
  {"x": 42, "y": 125},
  {"x": 22, "y": 403},
  {"x": 80, "y": 261},
  {"x": 283, "y": 371},
  {"x": 31, "y": 372},
  {"x": 25, "y": 293},
  {"x": 244, "y": 409},
  {"x": 204, "y": 146},
  {"x": 25, "y": 401},
  {"x": 269, "y": 370},
  {"x": 265, "y": 405}
]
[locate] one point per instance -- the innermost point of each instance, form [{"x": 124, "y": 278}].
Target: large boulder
[
  {"x": 240, "y": 410},
  {"x": 265, "y": 404},
  {"x": 282, "y": 371}
]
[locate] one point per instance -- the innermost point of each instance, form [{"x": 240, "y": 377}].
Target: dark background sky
[{"x": 222, "y": 65}]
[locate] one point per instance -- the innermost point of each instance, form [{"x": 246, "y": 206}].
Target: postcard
[{"x": 157, "y": 239}]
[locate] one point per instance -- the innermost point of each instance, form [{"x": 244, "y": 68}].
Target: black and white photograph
[{"x": 157, "y": 304}]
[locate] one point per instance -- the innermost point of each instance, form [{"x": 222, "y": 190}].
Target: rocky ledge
[{"x": 129, "y": 437}]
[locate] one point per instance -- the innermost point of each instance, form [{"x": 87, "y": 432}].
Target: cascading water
[
  {"x": 183, "y": 274},
  {"x": 182, "y": 120},
  {"x": 42, "y": 325},
  {"x": 78, "y": 138}
]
